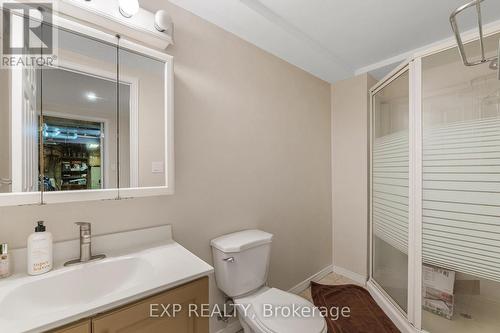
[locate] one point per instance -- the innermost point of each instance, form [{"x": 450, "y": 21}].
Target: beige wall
[
  {"x": 350, "y": 173},
  {"x": 252, "y": 144}
]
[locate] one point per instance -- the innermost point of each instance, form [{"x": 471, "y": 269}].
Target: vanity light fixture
[
  {"x": 163, "y": 21},
  {"x": 128, "y": 8}
]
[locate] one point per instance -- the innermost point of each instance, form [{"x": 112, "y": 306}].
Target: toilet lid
[{"x": 281, "y": 312}]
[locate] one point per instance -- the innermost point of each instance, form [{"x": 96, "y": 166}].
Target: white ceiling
[
  {"x": 334, "y": 39},
  {"x": 65, "y": 91}
]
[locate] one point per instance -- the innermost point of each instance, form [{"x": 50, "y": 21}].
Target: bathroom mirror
[
  {"x": 143, "y": 128},
  {"x": 19, "y": 122},
  {"x": 94, "y": 125},
  {"x": 20, "y": 179},
  {"x": 79, "y": 104}
]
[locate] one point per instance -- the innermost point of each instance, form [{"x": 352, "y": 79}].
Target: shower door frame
[{"x": 410, "y": 320}]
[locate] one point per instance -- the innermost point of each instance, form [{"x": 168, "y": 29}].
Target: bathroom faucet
[{"x": 85, "y": 246}]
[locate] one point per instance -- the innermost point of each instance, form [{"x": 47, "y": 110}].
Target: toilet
[{"x": 241, "y": 262}]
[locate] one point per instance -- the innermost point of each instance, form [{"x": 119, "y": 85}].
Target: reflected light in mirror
[{"x": 91, "y": 96}]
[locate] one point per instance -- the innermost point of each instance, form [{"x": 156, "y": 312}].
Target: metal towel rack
[{"x": 461, "y": 47}]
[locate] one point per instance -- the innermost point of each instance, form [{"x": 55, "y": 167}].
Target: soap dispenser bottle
[{"x": 39, "y": 250}]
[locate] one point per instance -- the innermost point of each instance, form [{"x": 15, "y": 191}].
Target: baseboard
[
  {"x": 234, "y": 327},
  {"x": 300, "y": 287},
  {"x": 358, "y": 278},
  {"x": 390, "y": 310}
]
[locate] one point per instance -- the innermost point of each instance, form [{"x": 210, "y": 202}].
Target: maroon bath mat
[{"x": 365, "y": 316}]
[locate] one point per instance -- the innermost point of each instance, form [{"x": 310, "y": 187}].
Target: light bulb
[
  {"x": 128, "y": 8},
  {"x": 163, "y": 21}
]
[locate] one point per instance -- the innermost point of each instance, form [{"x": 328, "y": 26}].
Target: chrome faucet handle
[{"x": 85, "y": 234}]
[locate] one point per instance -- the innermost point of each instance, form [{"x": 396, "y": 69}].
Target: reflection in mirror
[
  {"x": 80, "y": 116},
  {"x": 142, "y": 121},
  {"x": 19, "y": 124}
]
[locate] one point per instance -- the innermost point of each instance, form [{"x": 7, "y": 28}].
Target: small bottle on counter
[{"x": 4, "y": 261}]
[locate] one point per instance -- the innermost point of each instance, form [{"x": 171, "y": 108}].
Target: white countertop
[{"x": 67, "y": 294}]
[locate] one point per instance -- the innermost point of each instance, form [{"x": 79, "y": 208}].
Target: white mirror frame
[{"x": 33, "y": 198}]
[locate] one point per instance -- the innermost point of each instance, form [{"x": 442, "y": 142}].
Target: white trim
[
  {"x": 356, "y": 277},
  {"x": 415, "y": 197},
  {"x": 234, "y": 327},
  {"x": 411, "y": 193},
  {"x": 16, "y": 130},
  {"x": 133, "y": 131},
  {"x": 441, "y": 45},
  {"x": 20, "y": 199},
  {"x": 144, "y": 50},
  {"x": 303, "y": 285},
  {"x": 393, "y": 75},
  {"x": 16, "y": 116},
  {"x": 138, "y": 192},
  {"x": 169, "y": 125},
  {"x": 449, "y": 43},
  {"x": 85, "y": 70},
  {"x": 83, "y": 195},
  {"x": 386, "y": 62},
  {"x": 388, "y": 307},
  {"x": 370, "y": 185}
]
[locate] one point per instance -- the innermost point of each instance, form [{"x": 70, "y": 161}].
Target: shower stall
[{"x": 435, "y": 190}]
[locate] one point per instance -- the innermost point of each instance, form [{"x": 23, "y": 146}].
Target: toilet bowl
[
  {"x": 241, "y": 262},
  {"x": 278, "y": 316}
]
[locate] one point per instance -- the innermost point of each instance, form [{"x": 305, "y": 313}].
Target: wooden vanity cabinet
[
  {"x": 84, "y": 326},
  {"x": 135, "y": 317}
]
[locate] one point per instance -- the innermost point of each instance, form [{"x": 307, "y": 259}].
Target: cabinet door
[
  {"x": 136, "y": 317},
  {"x": 80, "y": 327}
]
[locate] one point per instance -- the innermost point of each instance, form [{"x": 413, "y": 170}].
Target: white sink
[
  {"x": 68, "y": 287},
  {"x": 67, "y": 294}
]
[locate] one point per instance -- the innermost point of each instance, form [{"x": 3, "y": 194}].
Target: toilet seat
[{"x": 281, "y": 305}]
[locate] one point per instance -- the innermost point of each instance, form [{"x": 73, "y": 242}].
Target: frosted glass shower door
[
  {"x": 461, "y": 192},
  {"x": 389, "y": 188}
]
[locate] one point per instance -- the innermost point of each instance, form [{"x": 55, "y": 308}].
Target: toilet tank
[{"x": 241, "y": 261}]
